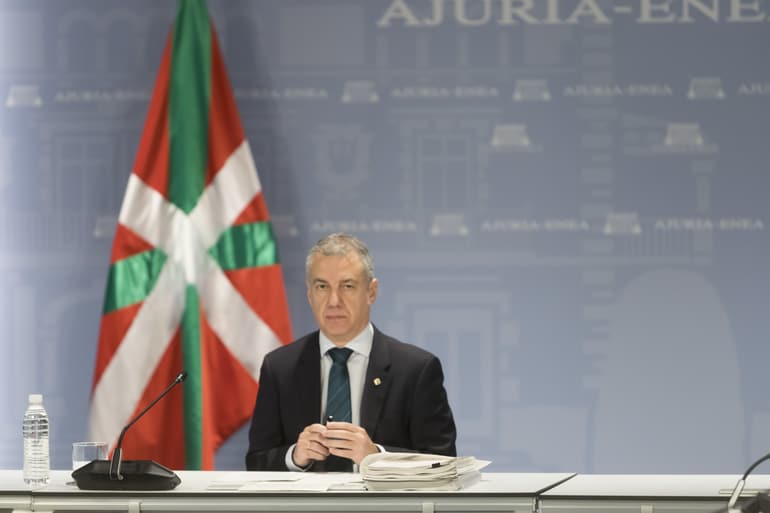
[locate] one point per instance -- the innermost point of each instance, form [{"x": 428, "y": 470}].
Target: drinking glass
[{"x": 85, "y": 452}]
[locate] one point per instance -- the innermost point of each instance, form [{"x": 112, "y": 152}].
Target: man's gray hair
[{"x": 336, "y": 244}]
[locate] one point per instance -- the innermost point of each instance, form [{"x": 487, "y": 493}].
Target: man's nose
[{"x": 334, "y": 298}]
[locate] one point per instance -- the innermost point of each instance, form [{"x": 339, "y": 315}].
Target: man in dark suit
[{"x": 392, "y": 393}]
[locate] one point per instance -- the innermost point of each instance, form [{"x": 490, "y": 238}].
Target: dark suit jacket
[{"x": 407, "y": 411}]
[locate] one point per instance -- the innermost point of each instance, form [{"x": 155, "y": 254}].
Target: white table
[
  {"x": 495, "y": 492},
  {"x": 645, "y": 493}
]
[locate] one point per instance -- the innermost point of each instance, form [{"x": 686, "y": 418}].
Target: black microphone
[{"x": 116, "y": 474}]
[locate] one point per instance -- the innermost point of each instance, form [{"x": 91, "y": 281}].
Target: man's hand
[
  {"x": 310, "y": 446},
  {"x": 348, "y": 441}
]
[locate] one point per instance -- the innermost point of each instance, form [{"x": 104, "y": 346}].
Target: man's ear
[{"x": 372, "y": 294}]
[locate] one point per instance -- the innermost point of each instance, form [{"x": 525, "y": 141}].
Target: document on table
[
  {"x": 287, "y": 482},
  {"x": 414, "y": 471}
]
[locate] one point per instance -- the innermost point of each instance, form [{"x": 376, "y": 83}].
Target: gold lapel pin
[{"x": 377, "y": 382}]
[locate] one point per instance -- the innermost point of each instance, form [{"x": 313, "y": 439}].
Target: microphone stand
[
  {"x": 117, "y": 454},
  {"x": 741, "y": 484},
  {"x": 116, "y": 474}
]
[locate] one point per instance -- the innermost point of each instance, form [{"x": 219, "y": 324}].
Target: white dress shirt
[{"x": 357, "y": 364}]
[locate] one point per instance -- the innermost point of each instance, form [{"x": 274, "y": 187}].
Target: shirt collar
[{"x": 361, "y": 343}]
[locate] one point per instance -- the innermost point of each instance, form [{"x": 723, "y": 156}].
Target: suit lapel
[
  {"x": 308, "y": 380},
  {"x": 376, "y": 384}
]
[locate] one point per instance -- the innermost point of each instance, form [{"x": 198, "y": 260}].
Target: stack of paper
[{"x": 415, "y": 471}]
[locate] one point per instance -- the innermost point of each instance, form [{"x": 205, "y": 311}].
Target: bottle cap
[{"x": 35, "y": 398}]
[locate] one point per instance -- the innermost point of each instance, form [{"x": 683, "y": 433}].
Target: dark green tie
[
  {"x": 338, "y": 394},
  {"x": 338, "y": 402}
]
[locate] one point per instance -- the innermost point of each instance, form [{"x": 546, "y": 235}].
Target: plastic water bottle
[{"x": 37, "y": 459}]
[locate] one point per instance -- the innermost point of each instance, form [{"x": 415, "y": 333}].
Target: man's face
[{"x": 340, "y": 295}]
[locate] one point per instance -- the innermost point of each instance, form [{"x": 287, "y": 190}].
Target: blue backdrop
[{"x": 567, "y": 201}]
